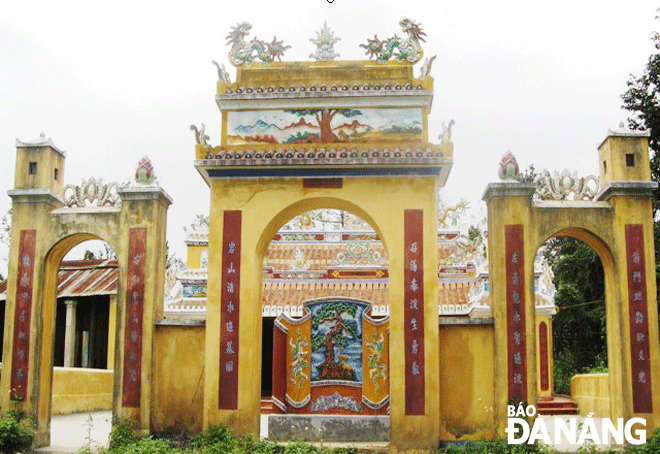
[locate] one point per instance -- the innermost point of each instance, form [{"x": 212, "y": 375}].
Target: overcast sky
[{"x": 111, "y": 82}]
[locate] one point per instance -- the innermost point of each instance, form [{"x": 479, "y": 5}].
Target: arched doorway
[
  {"x": 331, "y": 257},
  {"x": 572, "y": 335},
  {"x": 84, "y": 342}
]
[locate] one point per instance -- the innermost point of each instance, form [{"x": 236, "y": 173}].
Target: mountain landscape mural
[{"x": 291, "y": 126}]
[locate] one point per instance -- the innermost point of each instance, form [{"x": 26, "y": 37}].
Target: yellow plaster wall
[
  {"x": 178, "y": 379},
  {"x": 266, "y": 206},
  {"x": 77, "y": 390},
  {"x": 195, "y": 256},
  {"x": 592, "y": 394},
  {"x": 467, "y": 374}
]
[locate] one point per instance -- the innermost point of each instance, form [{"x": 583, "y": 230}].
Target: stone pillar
[{"x": 70, "y": 333}]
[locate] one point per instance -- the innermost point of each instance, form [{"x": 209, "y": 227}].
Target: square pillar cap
[
  {"x": 623, "y": 131},
  {"x": 508, "y": 189},
  {"x": 39, "y": 142}
]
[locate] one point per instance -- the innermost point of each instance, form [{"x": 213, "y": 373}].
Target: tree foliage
[
  {"x": 642, "y": 100},
  {"x": 579, "y": 328}
]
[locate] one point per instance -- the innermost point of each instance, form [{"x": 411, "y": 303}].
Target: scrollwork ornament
[
  {"x": 562, "y": 185},
  {"x": 91, "y": 191}
]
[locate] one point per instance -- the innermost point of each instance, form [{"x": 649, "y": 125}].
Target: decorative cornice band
[
  {"x": 36, "y": 196},
  {"x": 627, "y": 188}
]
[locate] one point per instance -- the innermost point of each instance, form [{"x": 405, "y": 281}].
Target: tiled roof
[
  {"x": 87, "y": 278},
  {"x": 279, "y": 293},
  {"x": 82, "y": 278}
]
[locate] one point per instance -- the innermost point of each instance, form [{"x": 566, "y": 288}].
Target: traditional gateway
[{"x": 342, "y": 135}]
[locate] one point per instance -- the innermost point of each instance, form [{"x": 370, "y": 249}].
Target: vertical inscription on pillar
[
  {"x": 413, "y": 313},
  {"x": 229, "y": 310},
  {"x": 543, "y": 353},
  {"x": 639, "y": 325},
  {"x": 515, "y": 312},
  {"x": 132, "y": 381},
  {"x": 22, "y": 315}
]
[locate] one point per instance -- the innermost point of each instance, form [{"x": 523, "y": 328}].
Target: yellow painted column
[
  {"x": 112, "y": 327},
  {"x": 509, "y": 204}
]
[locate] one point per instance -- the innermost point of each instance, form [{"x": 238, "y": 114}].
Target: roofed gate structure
[{"x": 348, "y": 135}]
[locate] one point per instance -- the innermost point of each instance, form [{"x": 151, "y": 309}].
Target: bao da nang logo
[{"x": 572, "y": 431}]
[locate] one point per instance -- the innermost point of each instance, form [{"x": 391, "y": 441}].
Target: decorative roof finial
[
  {"x": 223, "y": 75},
  {"x": 446, "y": 131},
  {"x": 200, "y": 137},
  {"x": 325, "y": 42},
  {"x": 144, "y": 174},
  {"x": 409, "y": 50},
  {"x": 508, "y": 169},
  {"x": 426, "y": 67},
  {"x": 242, "y": 52}
]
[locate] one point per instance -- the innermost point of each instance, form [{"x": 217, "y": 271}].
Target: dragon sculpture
[
  {"x": 402, "y": 49},
  {"x": 243, "y": 52}
]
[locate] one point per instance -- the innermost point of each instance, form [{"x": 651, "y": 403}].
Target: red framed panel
[
  {"x": 229, "y": 310},
  {"x": 638, "y": 320},
  {"x": 279, "y": 367},
  {"x": 515, "y": 312},
  {"x": 323, "y": 183},
  {"x": 23, "y": 314},
  {"x": 132, "y": 379},
  {"x": 543, "y": 356},
  {"x": 413, "y": 313}
]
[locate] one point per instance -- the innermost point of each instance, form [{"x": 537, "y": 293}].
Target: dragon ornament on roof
[
  {"x": 245, "y": 52},
  {"x": 401, "y": 49}
]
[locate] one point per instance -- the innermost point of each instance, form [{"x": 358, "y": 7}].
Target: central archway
[{"x": 327, "y": 261}]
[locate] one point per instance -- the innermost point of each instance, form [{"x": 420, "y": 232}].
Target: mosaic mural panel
[
  {"x": 290, "y": 126},
  {"x": 337, "y": 340}
]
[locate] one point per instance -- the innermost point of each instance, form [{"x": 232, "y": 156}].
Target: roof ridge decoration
[
  {"x": 325, "y": 42},
  {"x": 92, "y": 190},
  {"x": 400, "y": 49},
  {"x": 243, "y": 52}
]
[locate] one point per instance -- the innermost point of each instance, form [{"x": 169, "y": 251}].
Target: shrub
[
  {"x": 16, "y": 433},
  {"x": 121, "y": 433}
]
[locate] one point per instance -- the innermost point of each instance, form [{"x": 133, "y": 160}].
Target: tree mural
[
  {"x": 323, "y": 118},
  {"x": 334, "y": 325}
]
